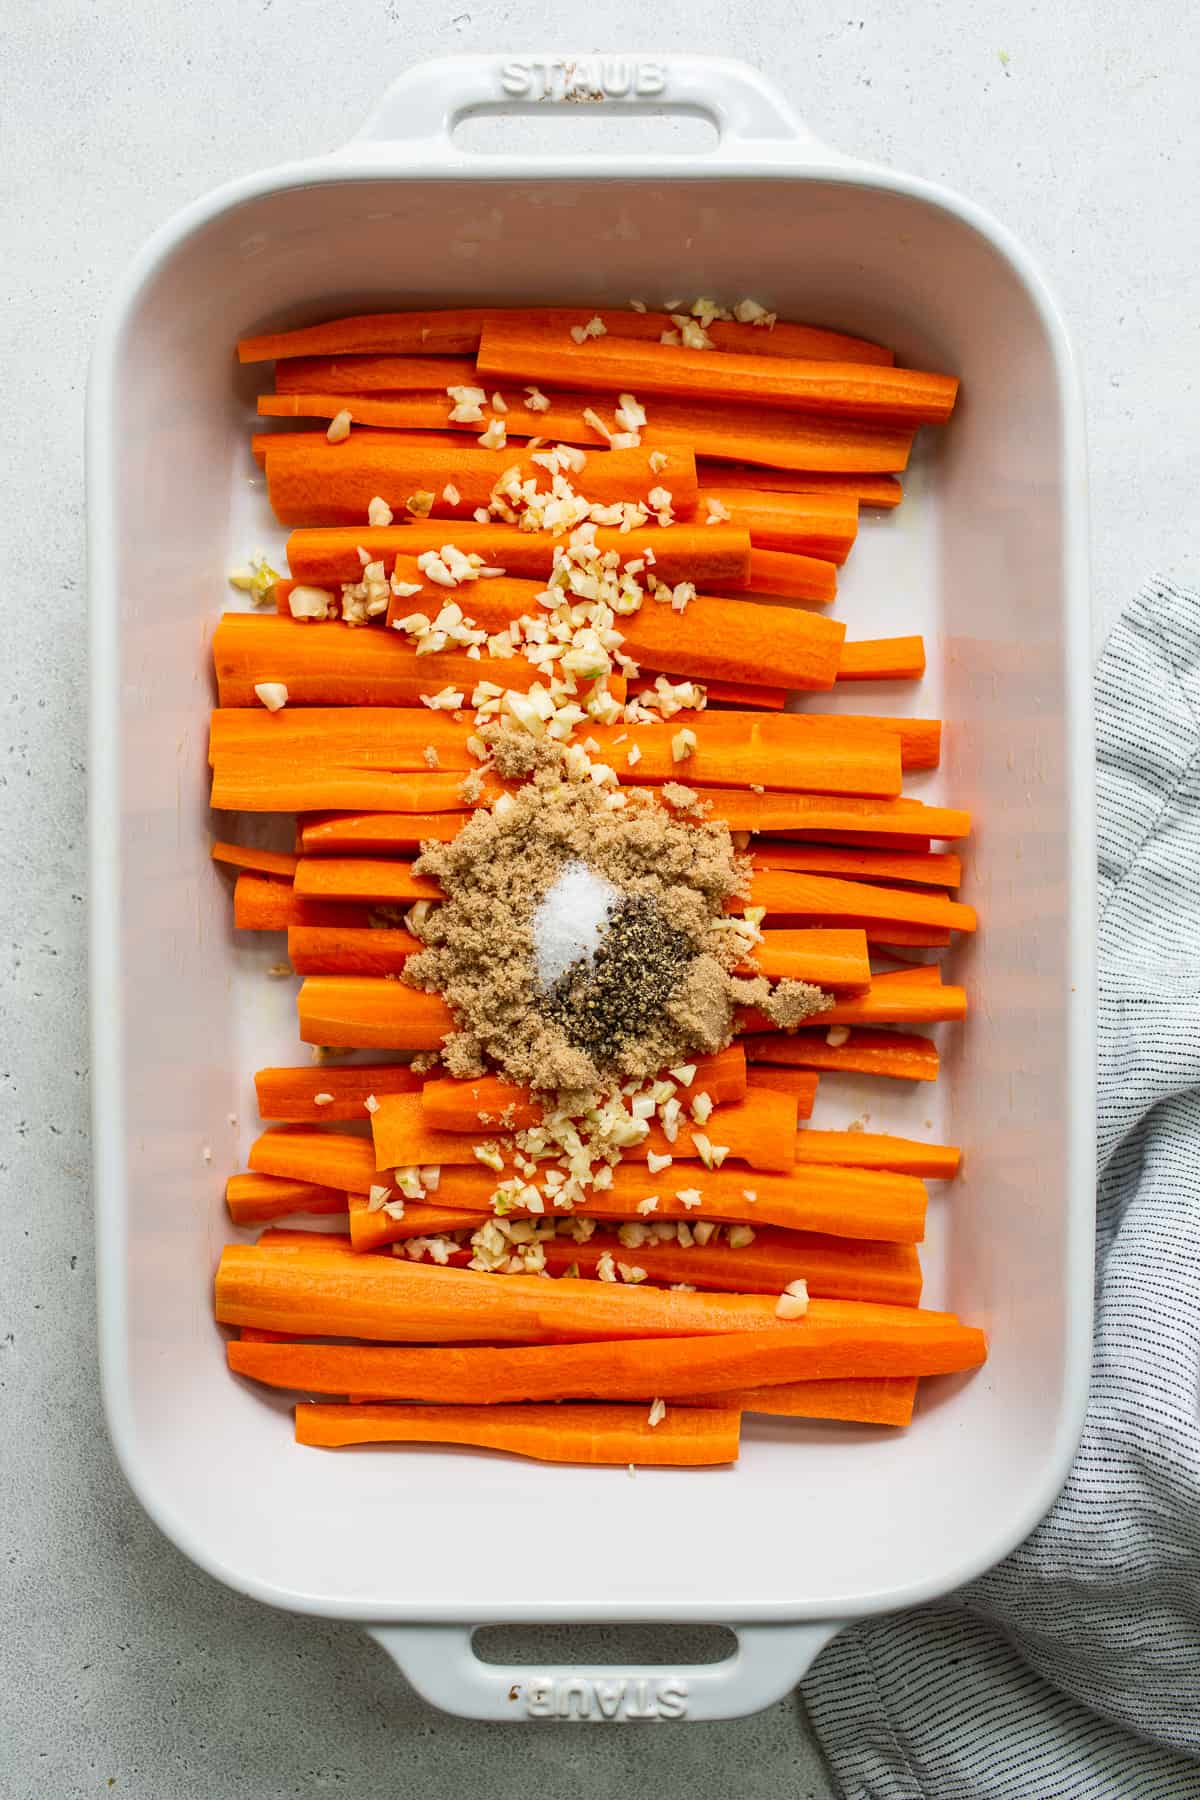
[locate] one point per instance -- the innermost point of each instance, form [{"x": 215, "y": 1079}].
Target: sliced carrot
[
  {"x": 902, "y": 1055},
  {"x": 821, "y": 525},
  {"x": 325, "y": 1094},
  {"x": 716, "y": 554},
  {"x": 333, "y": 484},
  {"x": 834, "y": 1201},
  {"x": 873, "y": 1150},
  {"x": 793, "y": 894},
  {"x": 515, "y": 349},
  {"x": 254, "y": 1199},
  {"x": 862, "y": 1399},
  {"x": 776, "y": 439},
  {"x": 868, "y": 490},
  {"x": 330, "y": 1159},
  {"x": 759, "y": 1130},
  {"x": 360, "y": 1012},
  {"x": 261, "y": 903},
  {"x": 883, "y": 659},
  {"x": 349, "y": 950},
  {"x": 413, "y": 373},
  {"x": 929, "y": 868},
  {"x": 277, "y": 784},
  {"x": 836, "y": 1267},
  {"x": 262, "y": 862},
  {"x": 920, "y": 739},
  {"x": 692, "y": 1437},
  {"x": 371, "y": 833},
  {"x": 449, "y": 333},
  {"x": 777, "y": 813},
  {"x": 361, "y": 878},
  {"x": 450, "y": 1105},
  {"x": 836, "y": 960},
  {"x": 891, "y": 999}
]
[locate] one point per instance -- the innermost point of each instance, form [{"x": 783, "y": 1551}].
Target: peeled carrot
[
  {"x": 692, "y": 1437},
  {"x": 394, "y": 374},
  {"x": 723, "y": 694},
  {"x": 377, "y": 1297},
  {"x": 774, "y": 812},
  {"x": 920, "y": 739},
  {"x": 836, "y": 960},
  {"x": 517, "y": 350},
  {"x": 267, "y": 784},
  {"x": 883, "y": 659},
  {"x": 868, "y": 490},
  {"x": 325, "y": 1094},
  {"x": 891, "y": 999},
  {"x": 360, "y": 1012},
  {"x": 450, "y": 1105},
  {"x": 371, "y": 833},
  {"x": 930, "y": 868},
  {"x": 349, "y": 950},
  {"x": 873, "y": 1150},
  {"x": 862, "y": 1399},
  {"x": 903, "y": 1055},
  {"x": 837, "y": 1267},
  {"x": 776, "y": 439},
  {"x": 255, "y": 1199},
  {"x": 378, "y": 338},
  {"x": 791, "y": 893},
  {"x": 331, "y": 1159},
  {"x": 706, "y": 554},
  {"x": 333, "y": 484},
  {"x": 361, "y": 878},
  {"x": 262, "y": 862},
  {"x": 263, "y": 904},
  {"x": 806, "y": 525},
  {"x": 759, "y": 1130}
]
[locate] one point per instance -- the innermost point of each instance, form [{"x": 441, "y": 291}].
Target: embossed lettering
[
  {"x": 672, "y": 1699},
  {"x": 514, "y": 78},
  {"x": 575, "y": 1696},
  {"x": 539, "y": 1697},
  {"x": 609, "y": 1698},
  {"x": 651, "y": 79}
]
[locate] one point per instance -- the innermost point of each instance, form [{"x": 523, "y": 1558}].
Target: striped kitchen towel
[{"x": 1072, "y": 1671}]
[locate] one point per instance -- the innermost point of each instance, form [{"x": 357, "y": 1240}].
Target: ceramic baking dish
[{"x": 816, "y": 1525}]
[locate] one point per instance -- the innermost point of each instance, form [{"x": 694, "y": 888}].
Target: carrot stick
[
  {"x": 450, "y": 1105},
  {"x": 450, "y": 333},
  {"x": 263, "y": 862},
  {"x": 372, "y": 833},
  {"x": 361, "y": 878},
  {"x": 790, "y": 577},
  {"x": 375, "y": 1297},
  {"x": 255, "y": 1199},
  {"x": 929, "y": 868},
  {"x": 781, "y": 812},
  {"x": 759, "y": 1130},
  {"x": 333, "y": 484},
  {"x": 516, "y": 350},
  {"x": 883, "y": 659},
  {"x": 325, "y": 1094},
  {"x": 760, "y": 1361},
  {"x": 692, "y": 1437},
  {"x": 861, "y": 1399},
  {"x": 836, "y": 1267},
  {"x": 268, "y": 785},
  {"x": 871, "y": 1150},
  {"x": 822, "y": 525},
  {"x": 790, "y": 893},
  {"x": 349, "y": 950},
  {"x": 330, "y": 1159},
  {"x": 411, "y": 373},
  {"x": 920, "y": 739},
  {"x": 891, "y": 999},
  {"x": 360, "y": 1012},
  {"x": 776, "y": 439},
  {"x": 868, "y": 490},
  {"x": 836, "y": 960},
  {"x": 903, "y": 1055},
  {"x": 263, "y": 904},
  {"x": 834, "y": 1201},
  {"x": 717, "y": 554}
]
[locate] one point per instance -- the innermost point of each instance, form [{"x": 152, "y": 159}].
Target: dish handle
[
  {"x": 422, "y": 107},
  {"x": 440, "y": 1662}
]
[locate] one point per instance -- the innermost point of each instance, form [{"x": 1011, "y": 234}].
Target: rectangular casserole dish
[{"x": 816, "y": 1525}]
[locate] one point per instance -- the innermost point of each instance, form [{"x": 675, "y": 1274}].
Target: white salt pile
[{"x": 568, "y": 923}]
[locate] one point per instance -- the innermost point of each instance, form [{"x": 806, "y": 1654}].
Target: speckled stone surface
[{"x": 122, "y": 1670}]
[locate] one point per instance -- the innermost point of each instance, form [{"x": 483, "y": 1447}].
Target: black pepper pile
[{"x": 605, "y": 1001}]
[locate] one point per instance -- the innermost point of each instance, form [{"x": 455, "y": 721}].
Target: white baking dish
[{"x": 816, "y": 1525}]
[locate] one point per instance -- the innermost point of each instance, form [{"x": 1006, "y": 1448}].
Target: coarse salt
[{"x": 567, "y": 925}]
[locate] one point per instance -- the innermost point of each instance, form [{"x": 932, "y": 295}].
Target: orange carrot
[
  {"x": 517, "y": 350},
  {"x": 333, "y": 484},
  {"x": 255, "y": 1199},
  {"x": 743, "y": 810},
  {"x": 360, "y": 878},
  {"x": 361, "y": 1012},
  {"x": 263, "y": 862},
  {"x": 759, "y": 1130},
  {"x": 371, "y": 833},
  {"x": 450, "y": 1105},
  {"x": 929, "y": 868},
  {"x": 327, "y": 665},
  {"x": 871, "y": 1150},
  {"x": 376, "y": 1297},
  {"x": 717, "y": 554},
  {"x": 920, "y": 739},
  {"x": 868, "y": 490},
  {"x": 903, "y": 1055},
  {"x": 349, "y": 950},
  {"x": 821, "y": 525},
  {"x": 393, "y": 374},
  {"x": 834, "y": 1202},
  {"x": 776, "y": 439},
  {"x": 325, "y": 1094},
  {"x": 790, "y": 893},
  {"x": 861, "y": 1399},
  {"x": 376, "y": 338},
  {"x": 692, "y": 1437},
  {"x": 789, "y": 576},
  {"x": 836, "y": 960},
  {"x": 837, "y": 1267},
  {"x": 883, "y": 659},
  {"x": 263, "y": 904},
  {"x": 891, "y": 999},
  {"x": 331, "y": 1159},
  {"x": 276, "y": 784}
]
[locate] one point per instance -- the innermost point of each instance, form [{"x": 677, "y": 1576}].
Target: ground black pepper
[{"x": 604, "y": 1002}]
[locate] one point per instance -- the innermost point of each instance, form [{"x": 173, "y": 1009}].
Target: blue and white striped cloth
[{"x": 1072, "y": 1671}]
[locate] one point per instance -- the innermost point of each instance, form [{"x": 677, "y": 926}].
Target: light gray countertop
[{"x": 122, "y": 1669}]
